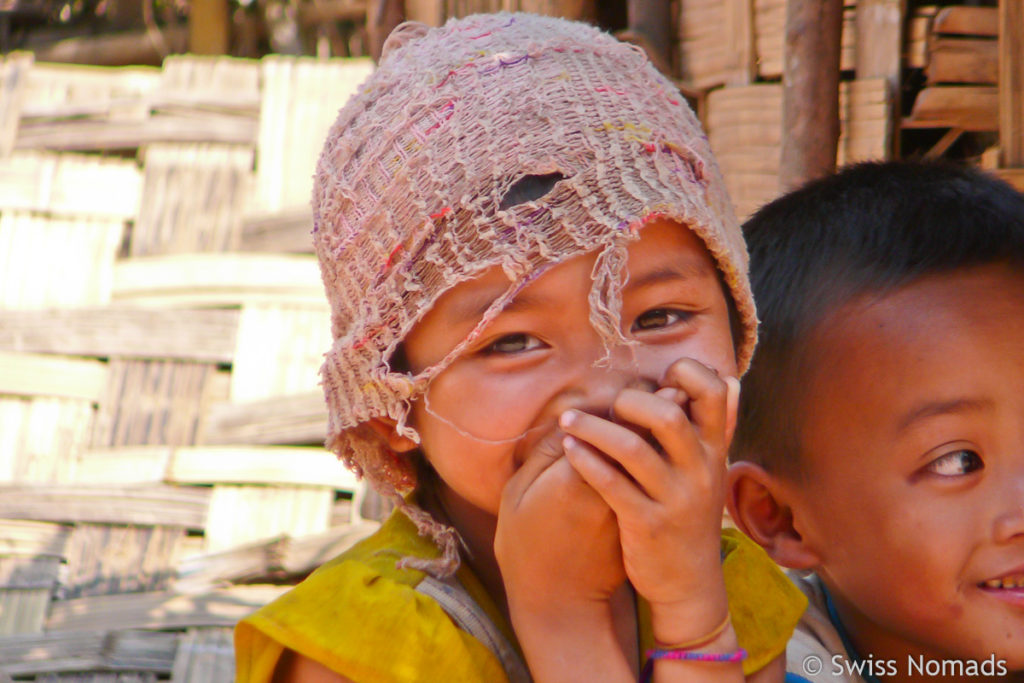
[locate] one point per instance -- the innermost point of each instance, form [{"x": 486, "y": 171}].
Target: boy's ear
[
  {"x": 759, "y": 505},
  {"x": 385, "y": 428}
]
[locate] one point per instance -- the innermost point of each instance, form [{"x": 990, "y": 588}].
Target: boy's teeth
[{"x": 1006, "y": 582}]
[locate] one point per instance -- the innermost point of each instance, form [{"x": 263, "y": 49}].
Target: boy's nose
[{"x": 1009, "y": 525}]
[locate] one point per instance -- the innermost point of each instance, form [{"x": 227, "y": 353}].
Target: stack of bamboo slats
[
  {"x": 733, "y": 52},
  {"x": 745, "y": 129},
  {"x": 961, "y": 64},
  {"x": 159, "y": 408},
  {"x": 736, "y": 42}
]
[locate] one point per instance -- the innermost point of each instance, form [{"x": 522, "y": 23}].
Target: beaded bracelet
[{"x": 688, "y": 655}]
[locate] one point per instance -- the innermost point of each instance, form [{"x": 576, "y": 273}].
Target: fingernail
[
  {"x": 567, "y": 418},
  {"x": 569, "y": 443}
]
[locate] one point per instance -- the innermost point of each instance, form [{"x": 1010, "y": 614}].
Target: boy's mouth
[{"x": 1007, "y": 581}]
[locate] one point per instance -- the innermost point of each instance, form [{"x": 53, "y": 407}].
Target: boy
[
  {"x": 880, "y": 438},
  {"x": 539, "y": 308}
]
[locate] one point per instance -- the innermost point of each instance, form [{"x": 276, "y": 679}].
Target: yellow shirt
[{"x": 360, "y": 616}]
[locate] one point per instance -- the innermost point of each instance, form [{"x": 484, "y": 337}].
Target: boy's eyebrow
[{"x": 932, "y": 408}]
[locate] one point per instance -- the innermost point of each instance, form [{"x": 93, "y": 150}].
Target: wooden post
[
  {"x": 651, "y": 24},
  {"x": 429, "y": 12},
  {"x": 810, "y": 93},
  {"x": 879, "y": 48},
  {"x": 382, "y": 16},
  {"x": 208, "y": 27},
  {"x": 1011, "y": 82}
]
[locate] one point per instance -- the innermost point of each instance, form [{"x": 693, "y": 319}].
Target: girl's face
[{"x": 503, "y": 394}]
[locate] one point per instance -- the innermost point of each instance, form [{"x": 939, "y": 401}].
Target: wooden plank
[
  {"x": 205, "y": 654},
  {"x": 119, "y": 93},
  {"x": 967, "y": 20},
  {"x": 296, "y": 113},
  {"x": 285, "y": 232},
  {"x": 193, "y": 197},
  {"x": 223, "y": 607},
  {"x": 203, "y": 84},
  {"x": 21, "y": 537},
  {"x": 274, "y": 465},
  {"x": 183, "y": 506},
  {"x": 29, "y": 374},
  {"x": 124, "y": 466},
  {"x": 244, "y": 514},
  {"x": 879, "y": 39},
  {"x": 152, "y": 402},
  {"x": 279, "y": 350},
  {"x": 183, "y": 334},
  {"x": 878, "y": 52},
  {"x": 42, "y": 439},
  {"x": 104, "y": 559},
  {"x": 34, "y": 274},
  {"x": 1011, "y": 82},
  {"x": 57, "y": 652},
  {"x": 177, "y": 280},
  {"x": 23, "y": 610},
  {"x": 973, "y": 108},
  {"x": 98, "y": 135},
  {"x": 20, "y": 572},
  {"x": 52, "y": 652},
  {"x": 13, "y": 74},
  {"x": 282, "y": 555},
  {"x": 963, "y": 60},
  {"x": 296, "y": 419},
  {"x": 915, "y": 51},
  {"x": 70, "y": 184}
]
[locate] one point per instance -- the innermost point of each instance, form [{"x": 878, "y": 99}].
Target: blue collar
[{"x": 852, "y": 653}]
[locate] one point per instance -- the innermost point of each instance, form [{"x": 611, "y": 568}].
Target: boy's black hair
[{"x": 871, "y": 228}]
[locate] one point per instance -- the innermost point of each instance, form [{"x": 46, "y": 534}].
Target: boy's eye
[
  {"x": 957, "y": 463},
  {"x": 513, "y": 343},
  {"x": 657, "y": 318}
]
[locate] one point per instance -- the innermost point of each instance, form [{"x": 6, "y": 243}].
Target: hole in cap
[{"x": 529, "y": 188}]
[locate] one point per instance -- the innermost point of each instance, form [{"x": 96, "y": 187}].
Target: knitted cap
[{"x": 418, "y": 189}]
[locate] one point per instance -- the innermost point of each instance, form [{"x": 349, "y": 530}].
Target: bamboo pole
[
  {"x": 810, "y": 101},
  {"x": 1011, "y": 82}
]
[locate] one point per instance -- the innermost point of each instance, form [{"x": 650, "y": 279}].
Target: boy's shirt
[
  {"x": 360, "y": 615},
  {"x": 816, "y": 652}
]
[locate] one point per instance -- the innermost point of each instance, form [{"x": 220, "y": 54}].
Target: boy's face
[
  {"x": 501, "y": 398},
  {"x": 912, "y": 447}
]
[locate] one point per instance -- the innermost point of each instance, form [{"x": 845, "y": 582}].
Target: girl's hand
[
  {"x": 557, "y": 544},
  {"x": 556, "y": 536},
  {"x": 668, "y": 492}
]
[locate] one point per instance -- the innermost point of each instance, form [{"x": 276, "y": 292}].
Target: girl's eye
[
  {"x": 656, "y": 318},
  {"x": 513, "y": 343},
  {"x": 956, "y": 464}
]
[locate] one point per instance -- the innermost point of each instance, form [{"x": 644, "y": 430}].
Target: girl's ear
[
  {"x": 760, "y": 505},
  {"x": 385, "y": 428}
]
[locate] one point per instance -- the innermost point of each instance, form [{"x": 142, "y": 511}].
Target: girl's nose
[{"x": 594, "y": 383}]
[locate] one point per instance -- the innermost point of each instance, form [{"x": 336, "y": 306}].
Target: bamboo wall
[{"x": 162, "y": 321}]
